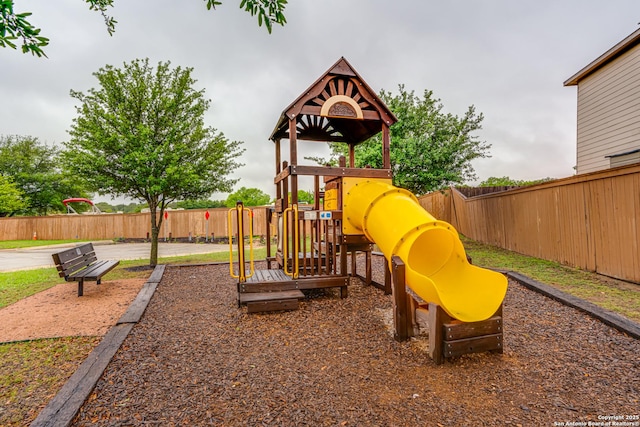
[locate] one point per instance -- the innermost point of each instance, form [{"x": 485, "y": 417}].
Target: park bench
[{"x": 80, "y": 264}]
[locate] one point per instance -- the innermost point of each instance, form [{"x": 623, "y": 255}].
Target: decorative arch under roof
[{"x": 339, "y": 107}]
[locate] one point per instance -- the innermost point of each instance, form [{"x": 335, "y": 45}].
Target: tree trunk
[{"x": 155, "y": 231}]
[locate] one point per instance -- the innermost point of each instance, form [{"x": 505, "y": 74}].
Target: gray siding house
[{"x": 609, "y": 108}]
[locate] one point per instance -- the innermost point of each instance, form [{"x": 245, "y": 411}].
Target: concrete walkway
[{"x": 40, "y": 257}]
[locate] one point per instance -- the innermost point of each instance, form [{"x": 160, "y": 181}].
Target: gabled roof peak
[{"x": 339, "y": 106}]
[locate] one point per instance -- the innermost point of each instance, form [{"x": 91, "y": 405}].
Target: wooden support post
[
  {"x": 403, "y": 328},
  {"x": 386, "y": 144},
  {"x": 451, "y": 338},
  {"x": 343, "y": 257},
  {"x": 368, "y": 267},
  {"x": 278, "y": 169},
  {"x": 316, "y": 192},
  {"x": 293, "y": 159},
  {"x": 498, "y": 314},
  {"x": 352, "y": 156},
  {"x": 285, "y": 188},
  {"x": 387, "y": 279},
  {"x": 437, "y": 317},
  {"x": 353, "y": 263},
  {"x": 344, "y": 292},
  {"x": 413, "y": 328}
]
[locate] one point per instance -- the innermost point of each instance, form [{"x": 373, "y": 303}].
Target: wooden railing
[{"x": 316, "y": 242}]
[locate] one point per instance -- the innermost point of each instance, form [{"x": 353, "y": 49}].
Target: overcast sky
[{"x": 508, "y": 58}]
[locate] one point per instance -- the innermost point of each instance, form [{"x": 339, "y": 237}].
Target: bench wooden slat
[
  {"x": 73, "y": 253},
  {"x": 71, "y": 267},
  {"x": 95, "y": 270}
]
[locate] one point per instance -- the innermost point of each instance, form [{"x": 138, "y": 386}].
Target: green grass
[
  {"x": 31, "y": 372},
  {"x": 18, "y": 244},
  {"x": 615, "y": 295},
  {"x": 17, "y": 285}
]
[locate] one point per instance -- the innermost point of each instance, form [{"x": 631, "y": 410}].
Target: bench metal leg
[{"x": 80, "y": 287}]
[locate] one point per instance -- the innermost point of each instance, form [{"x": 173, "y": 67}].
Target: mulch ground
[{"x": 196, "y": 359}]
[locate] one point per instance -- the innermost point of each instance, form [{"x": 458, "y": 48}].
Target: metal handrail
[{"x": 239, "y": 210}]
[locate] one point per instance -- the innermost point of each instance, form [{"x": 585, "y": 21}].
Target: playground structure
[
  {"x": 67, "y": 203},
  {"x": 358, "y": 207}
]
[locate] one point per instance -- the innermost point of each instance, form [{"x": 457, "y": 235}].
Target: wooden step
[
  {"x": 246, "y": 297},
  {"x": 258, "y": 302}
]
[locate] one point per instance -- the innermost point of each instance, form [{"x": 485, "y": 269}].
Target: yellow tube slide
[{"x": 436, "y": 265}]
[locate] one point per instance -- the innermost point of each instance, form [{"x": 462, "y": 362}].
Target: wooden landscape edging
[
  {"x": 62, "y": 409},
  {"x": 607, "y": 317}
]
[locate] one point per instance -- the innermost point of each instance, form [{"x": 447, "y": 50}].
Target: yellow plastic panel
[
  {"x": 331, "y": 200},
  {"x": 437, "y": 269}
]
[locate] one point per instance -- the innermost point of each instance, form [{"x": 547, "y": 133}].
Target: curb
[
  {"x": 62, "y": 409},
  {"x": 607, "y": 317},
  {"x": 62, "y": 245}
]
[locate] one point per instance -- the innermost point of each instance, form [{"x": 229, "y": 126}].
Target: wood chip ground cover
[{"x": 196, "y": 359}]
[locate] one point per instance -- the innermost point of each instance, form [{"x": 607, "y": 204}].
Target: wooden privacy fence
[
  {"x": 179, "y": 224},
  {"x": 589, "y": 221}
]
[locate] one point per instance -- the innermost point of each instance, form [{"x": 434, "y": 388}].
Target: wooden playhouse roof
[{"x": 338, "y": 107}]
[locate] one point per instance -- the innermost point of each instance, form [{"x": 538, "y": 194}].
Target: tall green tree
[
  {"x": 505, "y": 181},
  {"x": 141, "y": 134},
  {"x": 11, "y": 198},
  {"x": 430, "y": 149},
  {"x": 15, "y": 26},
  {"x": 249, "y": 197},
  {"x": 35, "y": 169}
]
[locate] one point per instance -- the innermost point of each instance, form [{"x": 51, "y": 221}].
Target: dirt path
[{"x": 59, "y": 312}]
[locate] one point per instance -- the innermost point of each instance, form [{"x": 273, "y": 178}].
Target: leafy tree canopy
[
  {"x": 121, "y": 207},
  {"x": 505, "y": 181},
  {"x": 306, "y": 197},
  {"x": 201, "y": 204},
  {"x": 11, "y": 198},
  {"x": 429, "y": 149},
  {"x": 15, "y": 26},
  {"x": 249, "y": 197},
  {"x": 141, "y": 134},
  {"x": 35, "y": 169}
]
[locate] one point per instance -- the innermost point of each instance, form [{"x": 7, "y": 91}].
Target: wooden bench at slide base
[{"x": 80, "y": 264}]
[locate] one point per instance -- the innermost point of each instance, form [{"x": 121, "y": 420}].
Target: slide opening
[{"x": 430, "y": 251}]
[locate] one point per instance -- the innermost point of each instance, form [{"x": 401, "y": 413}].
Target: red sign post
[
  {"x": 166, "y": 215},
  {"x": 206, "y": 226}
]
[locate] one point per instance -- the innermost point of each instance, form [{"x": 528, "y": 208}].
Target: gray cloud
[{"x": 507, "y": 58}]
